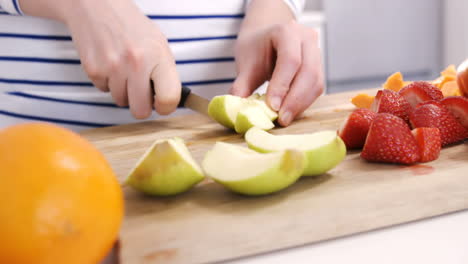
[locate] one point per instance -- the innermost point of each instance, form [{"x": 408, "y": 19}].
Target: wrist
[{"x": 257, "y": 19}]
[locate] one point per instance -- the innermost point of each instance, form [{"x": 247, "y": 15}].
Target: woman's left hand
[{"x": 287, "y": 55}]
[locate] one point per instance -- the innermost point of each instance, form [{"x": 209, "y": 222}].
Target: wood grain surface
[{"x": 211, "y": 224}]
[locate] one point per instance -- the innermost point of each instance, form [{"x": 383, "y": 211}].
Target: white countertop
[{"x": 437, "y": 240}]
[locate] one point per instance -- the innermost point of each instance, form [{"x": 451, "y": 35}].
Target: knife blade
[{"x": 193, "y": 101}]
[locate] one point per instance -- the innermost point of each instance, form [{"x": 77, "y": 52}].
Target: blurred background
[{"x": 364, "y": 41}]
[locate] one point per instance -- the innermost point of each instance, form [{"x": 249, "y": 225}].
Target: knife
[
  {"x": 190, "y": 100},
  {"x": 193, "y": 101}
]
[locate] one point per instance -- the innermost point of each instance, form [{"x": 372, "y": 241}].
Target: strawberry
[
  {"x": 390, "y": 140},
  {"x": 418, "y": 92},
  {"x": 355, "y": 127},
  {"x": 435, "y": 114},
  {"x": 429, "y": 144},
  {"x": 458, "y": 106},
  {"x": 388, "y": 101}
]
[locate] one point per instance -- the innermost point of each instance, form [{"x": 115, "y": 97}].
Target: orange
[
  {"x": 60, "y": 201},
  {"x": 450, "y": 89},
  {"x": 362, "y": 100},
  {"x": 394, "y": 82},
  {"x": 447, "y": 75}
]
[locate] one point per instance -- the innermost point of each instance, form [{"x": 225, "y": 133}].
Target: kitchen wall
[
  {"x": 366, "y": 40},
  {"x": 455, "y": 36}
]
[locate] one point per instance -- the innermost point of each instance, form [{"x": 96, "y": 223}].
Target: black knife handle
[{"x": 183, "y": 96}]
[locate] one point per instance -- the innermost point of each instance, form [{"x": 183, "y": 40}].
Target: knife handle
[{"x": 185, "y": 92}]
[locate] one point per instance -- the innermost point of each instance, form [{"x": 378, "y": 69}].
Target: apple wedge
[
  {"x": 324, "y": 150},
  {"x": 167, "y": 168},
  {"x": 252, "y": 116},
  {"x": 260, "y": 101},
  {"x": 225, "y": 110},
  {"x": 245, "y": 171}
]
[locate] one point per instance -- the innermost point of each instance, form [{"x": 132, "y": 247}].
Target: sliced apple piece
[
  {"x": 324, "y": 150},
  {"x": 245, "y": 171},
  {"x": 167, "y": 168},
  {"x": 225, "y": 109},
  {"x": 261, "y": 101},
  {"x": 252, "y": 117}
]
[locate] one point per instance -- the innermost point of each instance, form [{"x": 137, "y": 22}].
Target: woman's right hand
[
  {"x": 121, "y": 50},
  {"x": 462, "y": 78}
]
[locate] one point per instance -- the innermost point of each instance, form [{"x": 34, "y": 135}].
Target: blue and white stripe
[{"x": 41, "y": 77}]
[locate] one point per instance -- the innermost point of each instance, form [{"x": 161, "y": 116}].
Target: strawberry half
[
  {"x": 429, "y": 144},
  {"x": 388, "y": 101},
  {"x": 390, "y": 140},
  {"x": 435, "y": 114},
  {"x": 458, "y": 106},
  {"x": 418, "y": 92},
  {"x": 355, "y": 127}
]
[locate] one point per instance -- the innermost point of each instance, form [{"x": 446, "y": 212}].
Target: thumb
[{"x": 247, "y": 81}]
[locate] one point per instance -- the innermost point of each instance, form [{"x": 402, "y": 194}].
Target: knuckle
[
  {"x": 294, "y": 60},
  {"x": 93, "y": 70},
  {"x": 112, "y": 62},
  {"x": 312, "y": 34},
  {"x": 135, "y": 56}
]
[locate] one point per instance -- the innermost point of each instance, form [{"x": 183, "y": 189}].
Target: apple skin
[
  {"x": 228, "y": 110},
  {"x": 163, "y": 172},
  {"x": 274, "y": 179},
  {"x": 319, "y": 161},
  {"x": 217, "y": 109}
]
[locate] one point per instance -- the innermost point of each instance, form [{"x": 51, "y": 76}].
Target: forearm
[
  {"x": 265, "y": 13},
  {"x": 52, "y": 9},
  {"x": 71, "y": 11}
]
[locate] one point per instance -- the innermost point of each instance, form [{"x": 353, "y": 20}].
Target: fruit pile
[{"x": 382, "y": 124}]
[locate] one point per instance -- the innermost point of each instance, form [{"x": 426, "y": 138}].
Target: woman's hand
[
  {"x": 462, "y": 78},
  {"x": 272, "y": 46},
  {"x": 121, "y": 50}
]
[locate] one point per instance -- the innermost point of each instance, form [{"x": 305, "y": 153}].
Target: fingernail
[
  {"x": 286, "y": 118},
  {"x": 275, "y": 103}
]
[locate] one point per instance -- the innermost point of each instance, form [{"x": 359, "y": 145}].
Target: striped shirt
[{"x": 41, "y": 78}]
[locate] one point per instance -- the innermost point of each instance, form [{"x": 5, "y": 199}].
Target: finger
[
  {"x": 308, "y": 83},
  {"x": 101, "y": 84},
  {"x": 167, "y": 85},
  {"x": 139, "y": 94},
  {"x": 247, "y": 81},
  {"x": 118, "y": 88},
  {"x": 287, "y": 43}
]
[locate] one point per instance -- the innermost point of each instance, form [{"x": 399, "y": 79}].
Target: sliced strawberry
[
  {"x": 435, "y": 114},
  {"x": 355, "y": 127},
  {"x": 429, "y": 144},
  {"x": 388, "y": 101},
  {"x": 390, "y": 140},
  {"x": 418, "y": 92},
  {"x": 458, "y": 106}
]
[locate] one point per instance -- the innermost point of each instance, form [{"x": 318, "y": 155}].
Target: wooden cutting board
[{"x": 209, "y": 224}]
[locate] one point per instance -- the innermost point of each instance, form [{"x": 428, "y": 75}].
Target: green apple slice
[
  {"x": 224, "y": 109},
  {"x": 167, "y": 168},
  {"x": 250, "y": 117},
  {"x": 324, "y": 150},
  {"x": 260, "y": 100},
  {"x": 248, "y": 172}
]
